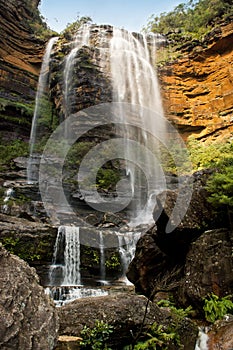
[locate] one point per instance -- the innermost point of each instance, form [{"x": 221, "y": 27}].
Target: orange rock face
[{"x": 197, "y": 89}]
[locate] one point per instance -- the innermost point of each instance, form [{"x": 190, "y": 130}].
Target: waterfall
[
  {"x": 65, "y": 268},
  {"x": 40, "y": 95},
  {"x": 102, "y": 259},
  {"x": 135, "y": 81},
  {"x": 127, "y": 248},
  {"x": 125, "y": 59},
  {"x": 202, "y": 341},
  {"x": 81, "y": 38},
  {"x": 9, "y": 193},
  {"x": 64, "y": 295}
]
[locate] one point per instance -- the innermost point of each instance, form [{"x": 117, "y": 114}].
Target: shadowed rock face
[
  {"x": 20, "y": 59},
  {"x": 187, "y": 261},
  {"x": 28, "y": 318}
]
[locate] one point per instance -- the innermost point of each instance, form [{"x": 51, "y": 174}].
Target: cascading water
[
  {"x": 135, "y": 81},
  {"x": 9, "y": 193},
  {"x": 41, "y": 95},
  {"x": 65, "y": 268},
  {"x": 102, "y": 259},
  {"x": 80, "y": 39},
  {"x": 202, "y": 341},
  {"x": 127, "y": 248}
]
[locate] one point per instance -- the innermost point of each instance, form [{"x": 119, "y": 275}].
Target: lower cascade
[
  {"x": 68, "y": 278},
  {"x": 202, "y": 340}
]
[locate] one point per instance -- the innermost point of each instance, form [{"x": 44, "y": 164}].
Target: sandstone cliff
[
  {"x": 197, "y": 88},
  {"x": 20, "y": 59}
]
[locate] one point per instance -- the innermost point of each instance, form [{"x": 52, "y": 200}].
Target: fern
[{"x": 215, "y": 308}]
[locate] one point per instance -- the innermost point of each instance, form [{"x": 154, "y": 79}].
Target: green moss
[
  {"x": 8, "y": 152},
  {"x": 24, "y": 109}
]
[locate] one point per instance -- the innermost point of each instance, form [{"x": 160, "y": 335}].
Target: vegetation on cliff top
[{"x": 192, "y": 19}]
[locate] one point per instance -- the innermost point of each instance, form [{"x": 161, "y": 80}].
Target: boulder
[
  {"x": 208, "y": 267},
  {"x": 125, "y": 312},
  {"x": 160, "y": 257},
  {"x": 220, "y": 336},
  {"x": 28, "y": 318}
]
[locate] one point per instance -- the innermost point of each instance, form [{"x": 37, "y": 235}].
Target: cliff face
[
  {"x": 197, "y": 88},
  {"x": 20, "y": 59}
]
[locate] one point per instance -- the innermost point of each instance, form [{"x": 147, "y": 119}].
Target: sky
[{"x": 131, "y": 15}]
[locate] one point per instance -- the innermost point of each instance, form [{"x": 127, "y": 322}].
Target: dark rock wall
[{"x": 20, "y": 59}]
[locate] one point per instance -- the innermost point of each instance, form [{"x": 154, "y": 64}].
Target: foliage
[
  {"x": 37, "y": 24},
  {"x": 8, "y": 152},
  {"x": 192, "y": 19},
  {"x": 201, "y": 155},
  {"x": 47, "y": 121},
  {"x": 24, "y": 109},
  {"x": 220, "y": 187},
  {"x": 96, "y": 338},
  {"x": 215, "y": 308},
  {"x": 10, "y": 243},
  {"x": 113, "y": 261},
  {"x": 25, "y": 251},
  {"x": 28, "y": 249},
  {"x": 157, "y": 337},
  {"x": 177, "y": 312},
  {"x": 91, "y": 256},
  {"x": 204, "y": 155},
  {"x": 107, "y": 178},
  {"x": 72, "y": 28}
]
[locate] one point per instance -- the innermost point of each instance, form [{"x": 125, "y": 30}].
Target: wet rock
[{"x": 28, "y": 318}]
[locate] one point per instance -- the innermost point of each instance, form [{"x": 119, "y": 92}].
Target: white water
[
  {"x": 64, "y": 295},
  {"x": 127, "y": 247},
  {"x": 40, "y": 94},
  {"x": 66, "y": 258},
  {"x": 9, "y": 193},
  {"x": 135, "y": 81},
  {"x": 102, "y": 260},
  {"x": 202, "y": 341},
  {"x": 81, "y": 39}
]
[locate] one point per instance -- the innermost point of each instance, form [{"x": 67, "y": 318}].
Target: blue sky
[{"x": 131, "y": 15}]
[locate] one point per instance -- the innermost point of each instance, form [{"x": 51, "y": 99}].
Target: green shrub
[
  {"x": 215, "y": 308},
  {"x": 96, "y": 338},
  {"x": 220, "y": 188},
  {"x": 190, "y": 20},
  {"x": 157, "y": 337},
  {"x": 177, "y": 312}
]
